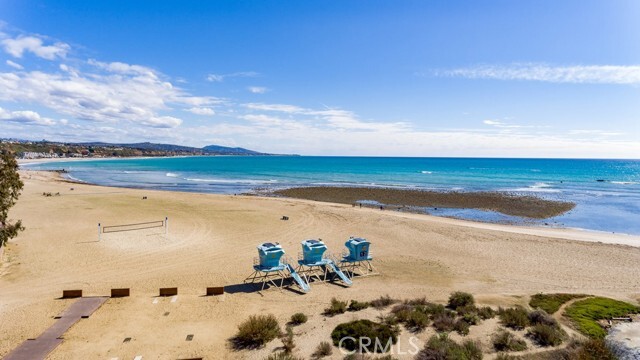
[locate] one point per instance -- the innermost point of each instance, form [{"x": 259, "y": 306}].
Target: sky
[{"x": 488, "y": 78}]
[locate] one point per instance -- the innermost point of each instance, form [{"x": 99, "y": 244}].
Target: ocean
[{"x": 607, "y": 192}]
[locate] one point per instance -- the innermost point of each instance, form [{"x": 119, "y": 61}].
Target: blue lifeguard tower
[
  {"x": 269, "y": 267},
  {"x": 313, "y": 263},
  {"x": 357, "y": 260}
]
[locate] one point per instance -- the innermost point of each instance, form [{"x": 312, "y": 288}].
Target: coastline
[
  {"x": 212, "y": 242},
  {"x": 566, "y": 233}
]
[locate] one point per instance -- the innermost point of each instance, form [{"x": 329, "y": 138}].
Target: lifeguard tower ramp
[
  {"x": 312, "y": 263},
  {"x": 270, "y": 268},
  {"x": 357, "y": 260}
]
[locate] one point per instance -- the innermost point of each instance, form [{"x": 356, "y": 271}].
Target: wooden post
[
  {"x": 70, "y": 294},
  {"x": 166, "y": 226},
  {"x": 99, "y": 232}
]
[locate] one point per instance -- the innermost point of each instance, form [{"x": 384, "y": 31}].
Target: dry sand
[{"x": 212, "y": 242}]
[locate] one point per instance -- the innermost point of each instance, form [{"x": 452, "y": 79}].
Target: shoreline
[
  {"x": 212, "y": 242},
  {"x": 492, "y": 206},
  {"x": 564, "y": 233}
]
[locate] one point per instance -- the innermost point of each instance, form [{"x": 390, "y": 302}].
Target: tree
[{"x": 10, "y": 186}]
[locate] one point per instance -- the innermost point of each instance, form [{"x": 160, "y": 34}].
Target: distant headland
[{"x": 44, "y": 149}]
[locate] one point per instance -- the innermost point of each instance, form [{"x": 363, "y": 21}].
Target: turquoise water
[{"x": 611, "y": 204}]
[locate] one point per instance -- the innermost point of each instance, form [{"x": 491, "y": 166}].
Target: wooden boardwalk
[{"x": 40, "y": 347}]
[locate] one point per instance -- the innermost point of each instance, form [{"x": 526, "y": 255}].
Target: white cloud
[
  {"x": 112, "y": 92},
  {"x": 14, "y": 65},
  {"x": 202, "y": 111},
  {"x": 275, "y": 107},
  {"x": 257, "y": 89},
  {"x": 276, "y": 135},
  {"x": 162, "y": 121},
  {"x": 222, "y": 77},
  {"x": 334, "y": 118},
  {"x": 578, "y": 74},
  {"x": 25, "y": 117},
  {"x": 595, "y": 132},
  {"x": 122, "y": 68},
  {"x": 18, "y": 46}
]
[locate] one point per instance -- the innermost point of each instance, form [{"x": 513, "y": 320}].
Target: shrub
[
  {"x": 376, "y": 333},
  {"x": 486, "y": 312},
  {"x": 441, "y": 347},
  {"x": 357, "y": 356},
  {"x": 336, "y": 307},
  {"x": 541, "y": 317},
  {"x": 436, "y": 309},
  {"x": 287, "y": 341},
  {"x": 506, "y": 357},
  {"x": 298, "y": 318},
  {"x": 323, "y": 349},
  {"x": 467, "y": 309},
  {"x": 461, "y": 327},
  {"x": 402, "y": 311},
  {"x": 417, "y": 321},
  {"x": 358, "y": 305},
  {"x": 594, "y": 349},
  {"x": 460, "y": 299},
  {"x": 551, "y": 302},
  {"x": 382, "y": 302},
  {"x": 256, "y": 331},
  {"x": 418, "y": 301},
  {"x": 503, "y": 340},
  {"x": 444, "y": 322},
  {"x": 389, "y": 319},
  {"x": 516, "y": 318},
  {"x": 546, "y": 335},
  {"x": 283, "y": 356},
  {"x": 585, "y": 313},
  {"x": 471, "y": 318},
  {"x": 386, "y": 357}
]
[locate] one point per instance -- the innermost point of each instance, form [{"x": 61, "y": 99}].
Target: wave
[
  {"x": 232, "y": 181},
  {"x": 625, "y": 182},
  {"x": 540, "y": 185},
  {"x": 426, "y": 172},
  {"x": 535, "y": 170},
  {"x": 170, "y": 174},
  {"x": 531, "y": 189},
  {"x": 75, "y": 179},
  {"x": 537, "y": 187}
]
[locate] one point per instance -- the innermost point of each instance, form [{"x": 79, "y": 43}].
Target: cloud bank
[{"x": 578, "y": 74}]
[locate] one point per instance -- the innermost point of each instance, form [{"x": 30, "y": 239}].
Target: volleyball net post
[{"x": 166, "y": 226}]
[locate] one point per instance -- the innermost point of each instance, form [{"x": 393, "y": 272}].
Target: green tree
[{"x": 10, "y": 186}]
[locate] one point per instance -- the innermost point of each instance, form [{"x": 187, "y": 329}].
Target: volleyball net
[{"x": 134, "y": 226}]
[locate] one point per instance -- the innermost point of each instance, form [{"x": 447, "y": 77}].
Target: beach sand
[{"x": 212, "y": 242}]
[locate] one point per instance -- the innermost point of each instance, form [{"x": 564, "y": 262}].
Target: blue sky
[{"x": 391, "y": 78}]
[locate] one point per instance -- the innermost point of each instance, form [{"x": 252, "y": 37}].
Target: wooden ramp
[{"x": 40, "y": 347}]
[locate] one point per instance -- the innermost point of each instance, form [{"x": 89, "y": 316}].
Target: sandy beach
[{"x": 212, "y": 242}]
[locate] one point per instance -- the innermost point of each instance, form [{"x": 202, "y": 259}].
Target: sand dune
[{"x": 212, "y": 242}]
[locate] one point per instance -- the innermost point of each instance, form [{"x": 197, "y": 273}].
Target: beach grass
[
  {"x": 552, "y": 302},
  {"x": 586, "y": 313}
]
